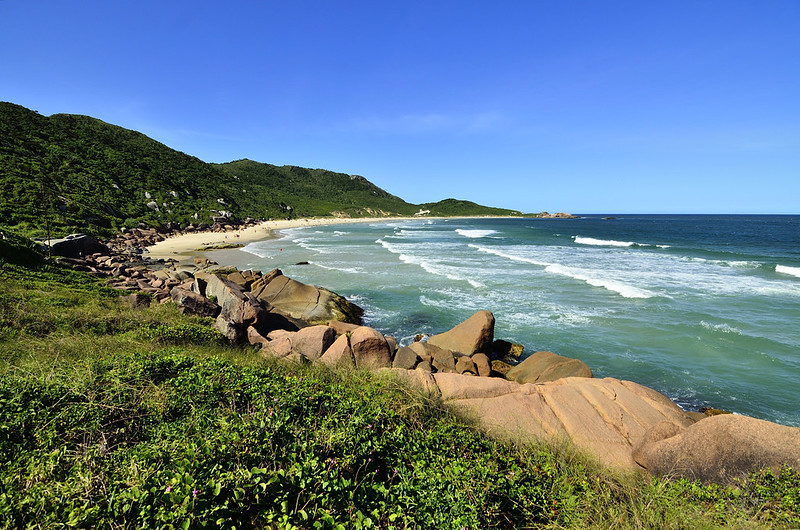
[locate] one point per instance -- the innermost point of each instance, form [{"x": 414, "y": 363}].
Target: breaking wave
[
  {"x": 792, "y": 271},
  {"x": 627, "y": 291}
]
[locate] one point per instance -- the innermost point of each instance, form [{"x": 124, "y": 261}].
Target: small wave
[
  {"x": 474, "y": 233},
  {"x": 303, "y": 243},
  {"x": 508, "y": 256},
  {"x": 352, "y": 270},
  {"x": 627, "y": 291},
  {"x": 792, "y": 271},
  {"x": 722, "y": 328},
  {"x": 254, "y": 249},
  {"x": 437, "y": 270},
  {"x": 340, "y": 233},
  {"x": 603, "y": 242}
]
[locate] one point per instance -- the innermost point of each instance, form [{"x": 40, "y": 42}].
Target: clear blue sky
[{"x": 581, "y": 106}]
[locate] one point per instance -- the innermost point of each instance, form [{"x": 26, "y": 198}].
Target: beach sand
[{"x": 185, "y": 246}]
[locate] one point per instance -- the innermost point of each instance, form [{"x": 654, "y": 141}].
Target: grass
[{"x": 113, "y": 417}]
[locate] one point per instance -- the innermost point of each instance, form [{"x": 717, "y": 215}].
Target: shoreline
[{"x": 187, "y": 245}]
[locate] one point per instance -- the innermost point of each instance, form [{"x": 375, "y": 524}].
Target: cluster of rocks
[{"x": 621, "y": 423}]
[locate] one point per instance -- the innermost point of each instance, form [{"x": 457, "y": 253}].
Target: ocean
[{"x": 703, "y": 308}]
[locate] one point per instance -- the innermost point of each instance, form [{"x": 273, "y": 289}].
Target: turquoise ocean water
[{"x": 705, "y": 309}]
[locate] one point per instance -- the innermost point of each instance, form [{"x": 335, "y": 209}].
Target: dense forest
[{"x": 76, "y": 173}]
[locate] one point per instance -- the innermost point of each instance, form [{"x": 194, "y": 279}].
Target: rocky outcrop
[
  {"x": 474, "y": 335},
  {"x": 604, "y": 417},
  {"x": 718, "y": 448},
  {"x": 544, "y": 366}
]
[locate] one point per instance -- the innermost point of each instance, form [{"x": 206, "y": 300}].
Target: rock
[
  {"x": 545, "y": 366},
  {"x": 424, "y": 366},
  {"x": 339, "y": 355},
  {"x": 392, "y": 345},
  {"x": 465, "y": 365},
  {"x": 506, "y": 351},
  {"x": 191, "y": 303},
  {"x": 233, "y": 331},
  {"x": 313, "y": 341},
  {"x": 501, "y": 367},
  {"x": 255, "y": 338},
  {"x": 236, "y": 305},
  {"x": 76, "y": 246},
  {"x": 444, "y": 361},
  {"x": 370, "y": 349},
  {"x": 405, "y": 358},
  {"x": 719, "y": 448},
  {"x": 474, "y": 335},
  {"x": 342, "y": 328},
  {"x": 136, "y": 300},
  {"x": 311, "y": 304},
  {"x": 482, "y": 364},
  {"x": 605, "y": 417},
  {"x": 282, "y": 346},
  {"x": 237, "y": 278},
  {"x": 417, "y": 379}
]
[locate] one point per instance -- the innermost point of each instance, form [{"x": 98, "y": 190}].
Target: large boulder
[
  {"x": 604, "y": 417},
  {"x": 474, "y": 335},
  {"x": 76, "y": 246},
  {"x": 405, "y": 358},
  {"x": 719, "y": 448},
  {"x": 545, "y": 366},
  {"x": 191, "y": 303},
  {"x": 339, "y": 355},
  {"x": 313, "y": 341},
  {"x": 370, "y": 349},
  {"x": 314, "y": 305}
]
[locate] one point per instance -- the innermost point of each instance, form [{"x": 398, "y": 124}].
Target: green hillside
[{"x": 77, "y": 173}]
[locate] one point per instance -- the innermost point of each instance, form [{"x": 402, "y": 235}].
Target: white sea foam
[
  {"x": 426, "y": 264},
  {"x": 506, "y": 255},
  {"x": 437, "y": 269},
  {"x": 474, "y": 233},
  {"x": 256, "y": 250},
  {"x": 722, "y": 328},
  {"x": 340, "y": 233},
  {"x": 792, "y": 271},
  {"x": 602, "y": 242},
  {"x": 303, "y": 243},
  {"x": 627, "y": 291}
]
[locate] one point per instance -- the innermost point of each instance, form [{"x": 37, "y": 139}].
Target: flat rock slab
[{"x": 604, "y": 417}]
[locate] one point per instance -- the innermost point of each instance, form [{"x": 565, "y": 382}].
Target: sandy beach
[{"x": 185, "y": 245}]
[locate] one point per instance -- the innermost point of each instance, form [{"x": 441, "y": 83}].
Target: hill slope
[{"x": 79, "y": 173}]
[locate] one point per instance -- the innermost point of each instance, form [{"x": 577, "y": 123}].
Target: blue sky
[{"x": 580, "y": 106}]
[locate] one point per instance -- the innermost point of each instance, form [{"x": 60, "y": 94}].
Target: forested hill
[{"x": 78, "y": 173}]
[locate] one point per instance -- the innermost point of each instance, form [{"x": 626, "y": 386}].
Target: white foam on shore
[
  {"x": 784, "y": 269},
  {"x": 627, "y": 291},
  {"x": 474, "y": 234}
]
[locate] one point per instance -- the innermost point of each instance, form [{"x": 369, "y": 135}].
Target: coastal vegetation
[
  {"x": 113, "y": 416},
  {"x": 69, "y": 173}
]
